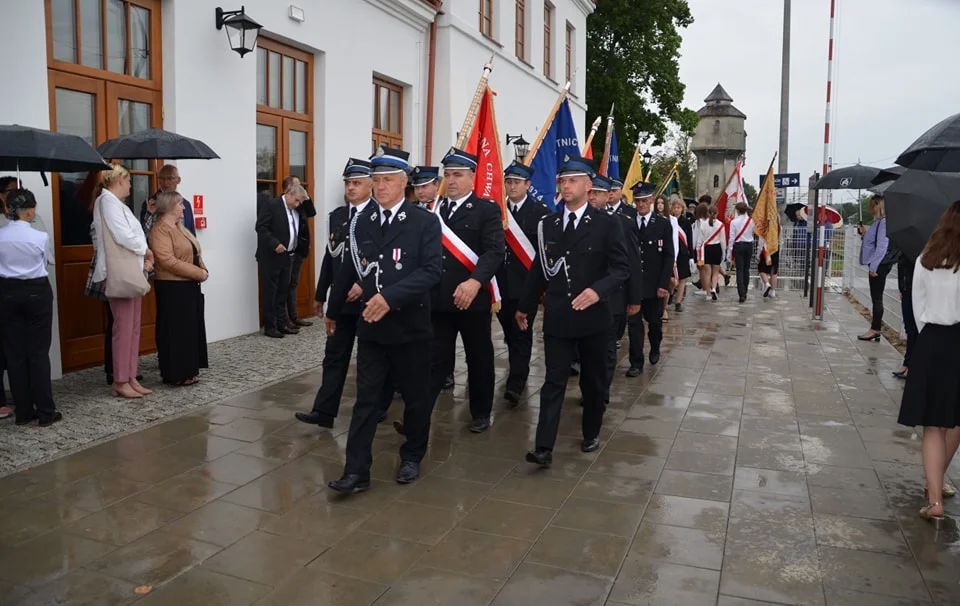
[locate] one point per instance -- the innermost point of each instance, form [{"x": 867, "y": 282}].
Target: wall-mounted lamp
[
  {"x": 520, "y": 146},
  {"x": 242, "y": 31}
]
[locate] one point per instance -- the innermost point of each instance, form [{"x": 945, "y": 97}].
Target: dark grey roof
[
  {"x": 719, "y": 104},
  {"x": 718, "y": 94}
]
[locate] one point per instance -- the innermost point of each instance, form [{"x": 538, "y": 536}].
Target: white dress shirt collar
[
  {"x": 516, "y": 206},
  {"x": 393, "y": 212},
  {"x": 647, "y": 217},
  {"x": 578, "y": 214},
  {"x": 614, "y": 208},
  {"x": 360, "y": 207}
]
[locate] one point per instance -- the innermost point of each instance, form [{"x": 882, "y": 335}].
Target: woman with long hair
[
  {"x": 873, "y": 254},
  {"x": 931, "y": 397},
  {"x": 181, "y": 332},
  {"x": 684, "y": 237},
  {"x": 124, "y": 229},
  {"x": 710, "y": 244}
]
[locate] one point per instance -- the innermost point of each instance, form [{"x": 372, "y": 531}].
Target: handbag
[
  {"x": 125, "y": 276},
  {"x": 91, "y": 288}
]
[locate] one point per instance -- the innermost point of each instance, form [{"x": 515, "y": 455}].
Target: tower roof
[{"x": 719, "y": 104}]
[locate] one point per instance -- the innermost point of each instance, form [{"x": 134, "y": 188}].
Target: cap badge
[
  {"x": 402, "y": 216},
  {"x": 379, "y": 153}
]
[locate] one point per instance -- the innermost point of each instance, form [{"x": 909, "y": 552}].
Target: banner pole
[
  {"x": 464, "y": 134},
  {"x": 535, "y": 146}
]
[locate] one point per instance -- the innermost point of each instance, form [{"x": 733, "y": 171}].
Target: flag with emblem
[
  {"x": 484, "y": 143},
  {"x": 559, "y": 139},
  {"x": 610, "y": 164},
  {"x": 733, "y": 193},
  {"x": 634, "y": 174},
  {"x": 766, "y": 218},
  {"x": 671, "y": 185}
]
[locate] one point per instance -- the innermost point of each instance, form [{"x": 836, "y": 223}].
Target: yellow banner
[
  {"x": 634, "y": 175},
  {"x": 766, "y": 219}
]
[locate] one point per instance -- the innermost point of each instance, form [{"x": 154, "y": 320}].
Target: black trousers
[
  {"x": 622, "y": 326},
  {"x": 295, "y": 264},
  {"x": 651, "y": 310},
  {"x": 519, "y": 344},
  {"x": 376, "y": 364},
  {"x": 274, "y": 289},
  {"x": 877, "y": 284},
  {"x": 618, "y": 319},
  {"x": 909, "y": 324},
  {"x": 26, "y": 311},
  {"x": 474, "y": 328},
  {"x": 742, "y": 254},
  {"x": 336, "y": 363},
  {"x": 558, "y": 353}
]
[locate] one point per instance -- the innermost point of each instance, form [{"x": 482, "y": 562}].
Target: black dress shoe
[
  {"x": 480, "y": 425},
  {"x": 512, "y": 395},
  {"x": 56, "y": 418},
  {"x": 448, "y": 383},
  {"x": 634, "y": 371},
  {"x": 875, "y": 338},
  {"x": 289, "y": 330},
  {"x": 540, "y": 456},
  {"x": 350, "y": 483},
  {"x": 590, "y": 445},
  {"x": 299, "y": 322},
  {"x": 678, "y": 307},
  {"x": 654, "y": 357},
  {"x": 400, "y": 429},
  {"x": 575, "y": 369},
  {"x": 408, "y": 472},
  {"x": 273, "y": 334},
  {"x": 26, "y": 421},
  {"x": 315, "y": 418}
]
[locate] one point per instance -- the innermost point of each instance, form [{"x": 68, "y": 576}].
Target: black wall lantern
[
  {"x": 520, "y": 147},
  {"x": 242, "y": 31}
]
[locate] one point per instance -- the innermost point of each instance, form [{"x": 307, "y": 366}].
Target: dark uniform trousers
[
  {"x": 336, "y": 362},
  {"x": 618, "y": 320},
  {"x": 26, "y": 311},
  {"x": 275, "y": 287},
  {"x": 374, "y": 361},
  {"x": 296, "y": 263},
  {"x": 519, "y": 344},
  {"x": 651, "y": 311},
  {"x": 474, "y": 328},
  {"x": 742, "y": 254},
  {"x": 559, "y": 353}
]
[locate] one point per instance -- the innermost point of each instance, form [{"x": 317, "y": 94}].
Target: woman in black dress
[
  {"x": 684, "y": 237},
  {"x": 931, "y": 397}
]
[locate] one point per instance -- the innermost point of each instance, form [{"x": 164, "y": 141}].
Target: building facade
[
  {"x": 718, "y": 142},
  {"x": 329, "y": 79}
]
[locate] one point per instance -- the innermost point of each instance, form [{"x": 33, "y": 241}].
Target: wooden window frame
[
  {"x": 486, "y": 13},
  {"x": 298, "y": 55},
  {"x": 570, "y": 43},
  {"x": 548, "y": 10},
  {"x": 520, "y": 31},
  {"x": 155, "y": 81},
  {"x": 393, "y": 138}
]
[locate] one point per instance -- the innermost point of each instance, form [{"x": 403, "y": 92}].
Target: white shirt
[
  {"x": 516, "y": 206},
  {"x": 644, "y": 220},
  {"x": 614, "y": 208},
  {"x": 393, "y": 213},
  {"x": 123, "y": 226},
  {"x": 936, "y": 296},
  {"x": 676, "y": 237},
  {"x": 359, "y": 208},
  {"x": 702, "y": 230},
  {"x": 38, "y": 225},
  {"x": 735, "y": 226},
  {"x": 453, "y": 205},
  {"x": 23, "y": 251},
  {"x": 293, "y": 220},
  {"x": 578, "y": 214}
]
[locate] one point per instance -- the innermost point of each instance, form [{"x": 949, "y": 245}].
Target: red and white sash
[
  {"x": 463, "y": 253},
  {"x": 742, "y": 230},
  {"x": 708, "y": 242},
  {"x": 518, "y": 242}
]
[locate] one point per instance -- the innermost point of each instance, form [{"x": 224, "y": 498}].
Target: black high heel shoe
[{"x": 875, "y": 338}]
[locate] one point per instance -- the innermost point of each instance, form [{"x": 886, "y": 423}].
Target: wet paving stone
[{"x": 759, "y": 463}]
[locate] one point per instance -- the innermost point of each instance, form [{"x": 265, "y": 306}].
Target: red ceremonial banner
[{"x": 484, "y": 143}]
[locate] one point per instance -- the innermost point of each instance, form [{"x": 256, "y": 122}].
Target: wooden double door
[
  {"x": 285, "y": 149},
  {"x": 95, "y": 110}
]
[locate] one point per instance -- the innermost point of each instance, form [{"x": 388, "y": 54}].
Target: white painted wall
[{"x": 24, "y": 45}]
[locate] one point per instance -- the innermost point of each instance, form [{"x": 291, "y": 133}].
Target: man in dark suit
[
  {"x": 581, "y": 259},
  {"x": 278, "y": 226},
  {"x": 512, "y": 277},
  {"x": 616, "y": 206},
  {"x": 394, "y": 262},
  {"x": 655, "y": 235},
  {"x": 462, "y": 300},
  {"x": 307, "y": 211},
  {"x": 338, "y": 349},
  {"x": 619, "y": 307}
]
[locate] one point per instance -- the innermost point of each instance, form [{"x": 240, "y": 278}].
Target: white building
[{"x": 330, "y": 79}]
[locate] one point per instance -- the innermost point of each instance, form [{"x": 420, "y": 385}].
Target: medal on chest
[{"x": 396, "y": 259}]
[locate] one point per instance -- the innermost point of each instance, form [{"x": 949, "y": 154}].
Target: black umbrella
[
  {"x": 857, "y": 176},
  {"x": 886, "y": 178},
  {"x": 791, "y": 211},
  {"x": 156, "y": 143},
  {"x": 937, "y": 150},
  {"x": 914, "y": 204},
  {"x": 36, "y": 150}
]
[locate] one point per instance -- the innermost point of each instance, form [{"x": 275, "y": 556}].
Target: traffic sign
[{"x": 783, "y": 180}]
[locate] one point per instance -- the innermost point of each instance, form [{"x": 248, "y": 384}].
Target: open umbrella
[
  {"x": 857, "y": 176},
  {"x": 156, "y": 143},
  {"x": 886, "y": 178},
  {"x": 937, "y": 150},
  {"x": 791, "y": 210},
  {"x": 914, "y": 204},
  {"x": 36, "y": 150}
]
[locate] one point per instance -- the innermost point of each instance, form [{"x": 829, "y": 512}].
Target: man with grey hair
[
  {"x": 169, "y": 180},
  {"x": 278, "y": 228},
  {"x": 306, "y": 210}
]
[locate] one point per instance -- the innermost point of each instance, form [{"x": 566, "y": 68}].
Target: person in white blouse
[
  {"x": 740, "y": 249},
  {"x": 931, "y": 397},
  {"x": 26, "y": 302},
  {"x": 127, "y": 232},
  {"x": 710, "y": 245}
]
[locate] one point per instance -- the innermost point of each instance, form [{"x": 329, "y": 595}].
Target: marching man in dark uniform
[
  {"x": 615, "y": 204},
  {"x": 656, "y": 236},
  {"x": 462, "y": 300},
  {"x": 511, "y": 278},
  {"x": 616, "y": 192},
  {"x": 426, "y": 184},
  {"x": 581, "y": 259},
  {"x": 339, "y": 345},
  {"x": 394, "y": 262}
]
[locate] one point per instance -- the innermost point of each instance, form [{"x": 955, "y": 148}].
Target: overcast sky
[{"x": 896, "y": 73}]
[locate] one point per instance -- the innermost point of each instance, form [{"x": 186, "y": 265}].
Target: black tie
[
  {"x": 451, "y": 206},
  {"x": 385, "y": 226},
  {"x": 353, "y": 213},
  {"x": 513, "y": 209},
  {"x": 643, "y": 224},
  {"x": 571, "y": 226}
]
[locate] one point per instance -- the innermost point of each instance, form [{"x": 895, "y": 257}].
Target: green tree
[
  {"x": 675, "y": 151},
  {"x": 632, "y": 52},
  {"x": 751, "y": 192}
]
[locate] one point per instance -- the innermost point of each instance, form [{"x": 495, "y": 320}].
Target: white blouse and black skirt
[{"x": 931, "y": 397}]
